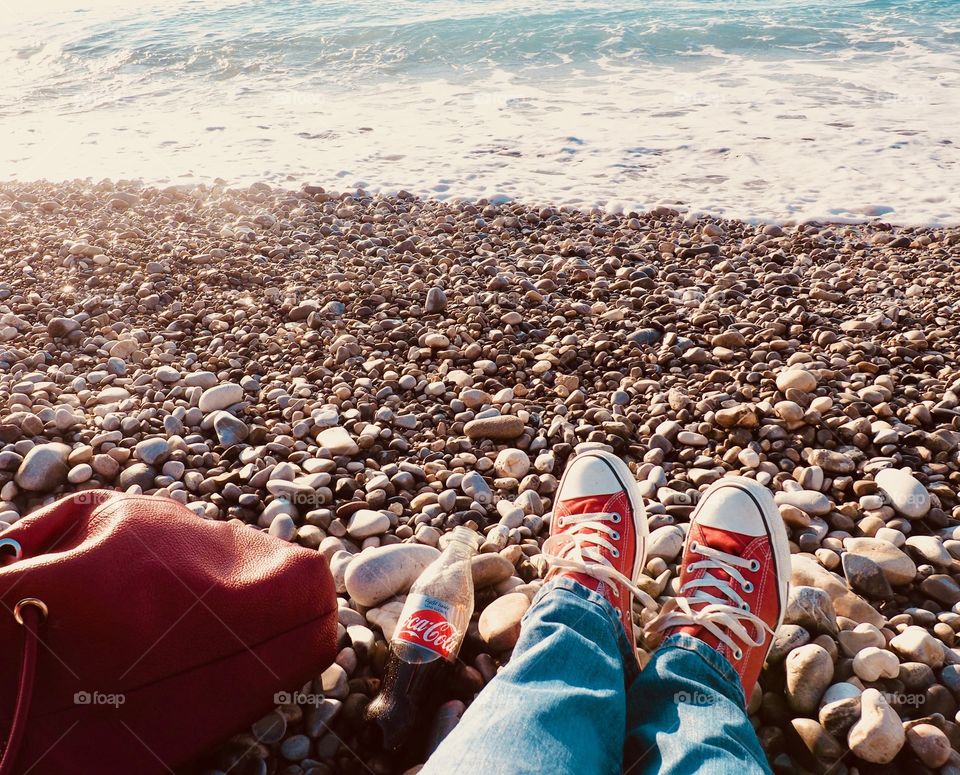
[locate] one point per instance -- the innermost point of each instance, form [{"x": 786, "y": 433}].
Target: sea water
[{"x": 782, "y": 110}]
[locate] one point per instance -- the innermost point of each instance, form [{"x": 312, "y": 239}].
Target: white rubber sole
[
  {"x": 629, "y": 484},
  {"x": 777, "y": 533}
]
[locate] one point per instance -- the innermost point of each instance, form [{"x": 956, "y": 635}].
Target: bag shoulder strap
[{"x": 30, "y": 613}]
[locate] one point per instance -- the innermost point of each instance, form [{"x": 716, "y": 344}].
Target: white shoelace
[
  {"x": 726, "y": 618},
  {"x": 578, "y": 549}
]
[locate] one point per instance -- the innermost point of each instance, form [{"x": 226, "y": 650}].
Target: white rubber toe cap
[
  {"x": 589, "y": 475},
  {"x": 731, "y": 508}
]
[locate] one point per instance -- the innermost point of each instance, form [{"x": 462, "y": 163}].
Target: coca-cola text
[{"x": 431, "y": 630}]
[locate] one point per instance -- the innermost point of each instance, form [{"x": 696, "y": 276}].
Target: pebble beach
[{"x": 360, "y": 373}]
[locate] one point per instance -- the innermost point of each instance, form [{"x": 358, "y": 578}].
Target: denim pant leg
[
  {"x": 559, "y": 706},
  {"x": 686, "y": 715}
]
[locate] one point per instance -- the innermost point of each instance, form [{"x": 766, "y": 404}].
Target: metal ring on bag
[
  {"x": 35, "y": 602},
  {"x": 15, "y": 545}
]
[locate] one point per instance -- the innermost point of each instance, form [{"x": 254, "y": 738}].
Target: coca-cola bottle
[{"x": 425, "y": 644}]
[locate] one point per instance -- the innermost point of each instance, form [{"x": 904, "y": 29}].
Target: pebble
[
  {"x": 817, "y": 740},
  {"x": 907, "y": 495},
  {"x": 930, "y": 549},
  {"x": 447, "y": 718},
  {"x": 812, "y": 609},
  {"x": 386, "y": 617},
  {"x": 930, "y": 744},
  {"x": 367, "y": 522},
  {"x": 334, "y": 681},
  {"x": 500, "y": 428},
  {"x": 499, "y": 624},
  {"x": 283, "y": 527},
  {"x": 796, "y": 379},
  {"x": 942, "y": 588},
  {"x": 896, "y": 566},
  {"x": 665, "y": 542},
  {"x": 295, "y": 748},
  {"x": 838, "y": 715},
  {"x": 865, "y": 577},
  {"x": 79, "y": 474},
  {"x": 338, "y": 442},
  {"x": 59, "y": 328},
  {"x": 220, "y": 397},
  {"x": 915, "y": 644},
  {"x": 872, "y": 663},
  {"x": 809, "y": 672},
  {"x": 377, "y": 574},
  {"x": 270, "y": 729},
  {"x": 860, "y": 637},
  {"x": 689, "y": 439},
  {"x": 512, "y": 462},
  {"x": 740, "y": 416},
  {"x": 878, "y": 736},
  {"x": 787, "y": 638},
  {"x": 167, "y": 374},
  {"x": 807, "y": 571},
  {"x": 152, "y": 451},
  {"x": 489, "y": 569},
  {"x": 811, "y": 502},
  {"x": 476, "y": 487},
  {"x": 320, "y": 715},
  {"x": 834, "y": 462},
  {"x": 44, "y": 467},
  {"x": 229, "y": 429},
  {"x": 436, "y": 301}
]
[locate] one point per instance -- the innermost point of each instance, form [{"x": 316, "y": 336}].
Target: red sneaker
[
  {"x": 598, "y": 532},
  {"x": 735, "y": 576}
]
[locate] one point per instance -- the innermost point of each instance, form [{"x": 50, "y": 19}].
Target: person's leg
[
  {"x": 687, "y": 709},
  {"x": 686, "y": 714},
  {"x": 559, "y": 706}
]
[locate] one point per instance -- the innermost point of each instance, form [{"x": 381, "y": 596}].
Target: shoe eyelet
[
  {"x": 615, "y": 518},
  {"x": 559, "y": 521},
  {"x": 738, "y": 654},
  {"x": 745, "y": 606},
  {"x": 694, "y": 547},
  {"x": 754, "y": 565},
  {"x": 616, "y": 592},
  {"x": 615, "y": 553},
  {"x": 615, "y": 535},
  {"x": 747, "y": 587}
]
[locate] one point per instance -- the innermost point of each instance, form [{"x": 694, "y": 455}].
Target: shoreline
[
  {"x": 365, "y": 335},
  {"x": 293, "y": 184}
]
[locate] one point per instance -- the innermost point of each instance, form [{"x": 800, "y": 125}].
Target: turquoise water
[{"x": 744, "y": 108}]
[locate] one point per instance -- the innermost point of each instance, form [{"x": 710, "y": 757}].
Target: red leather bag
[{"x": 148, "y": 634}]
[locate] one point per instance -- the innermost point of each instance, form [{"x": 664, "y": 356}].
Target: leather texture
[{"x": 196, "y": 624}]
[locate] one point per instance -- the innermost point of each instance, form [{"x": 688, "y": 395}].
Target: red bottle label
[{"x": 425, "y": 621}]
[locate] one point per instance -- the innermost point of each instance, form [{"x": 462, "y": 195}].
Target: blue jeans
[{"x": 569, "y": 701}]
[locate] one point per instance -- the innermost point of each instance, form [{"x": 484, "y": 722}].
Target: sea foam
[{"x": 841, "y": 111}]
